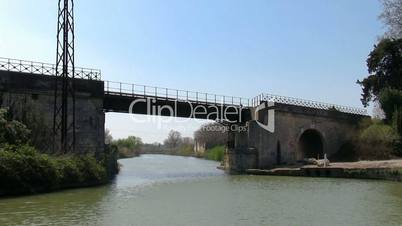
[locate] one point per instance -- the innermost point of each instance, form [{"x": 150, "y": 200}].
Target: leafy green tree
[
  {"x": 391, "y": 103},
  {"x": 12, "y": 132},
  {"x": 128, "y": 147},
  {"x": 385, "y": 69},
  {"x": 376, "y": 141}
]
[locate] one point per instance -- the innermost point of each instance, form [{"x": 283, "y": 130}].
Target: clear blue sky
[{"x": 313, "y": 49}]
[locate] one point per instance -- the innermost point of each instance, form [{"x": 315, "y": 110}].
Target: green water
[{"x": 171, "y": 190}]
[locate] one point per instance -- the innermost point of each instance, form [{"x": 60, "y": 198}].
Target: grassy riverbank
[{"x": 23, "y": 170}]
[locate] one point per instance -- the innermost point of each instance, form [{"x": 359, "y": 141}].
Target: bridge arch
[{"x": 311, "y": 144}]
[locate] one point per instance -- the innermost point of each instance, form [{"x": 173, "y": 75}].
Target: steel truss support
[{"x": 64, "y": 95}]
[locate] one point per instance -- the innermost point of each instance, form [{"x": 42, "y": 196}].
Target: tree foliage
[
  {"x": 376, "y": 141},
  {"x": 392, "y": 17},
  {"x": 211, "y": 134},
  {"x": 391, "y": 102},
  {"x": 108, "y": 137},
  {"x": 385, "y": 69},
  {"x": 216, "y": 153},
  {"x": 128, "y": 147},
  {"x": 173, "y": 140},
  {"x": 12, "y": 132}
]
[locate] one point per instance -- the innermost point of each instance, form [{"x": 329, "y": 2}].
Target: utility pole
[{"x": 64, "y": 95}]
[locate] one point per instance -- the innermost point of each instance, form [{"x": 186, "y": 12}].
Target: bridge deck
[
  {"x": 184, "y": 108},
  {"x": 126, "y": 91}
]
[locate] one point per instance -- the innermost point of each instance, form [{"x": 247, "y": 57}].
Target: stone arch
[{"x": 311, "y": 144}]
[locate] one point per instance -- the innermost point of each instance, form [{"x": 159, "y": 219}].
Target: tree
[
  {"x": 385, "y": 69},
  {"x": 187, "y": 141},
  {"x": 108, "y": 137},
  {"x": 128, "y": 147},
  {"x": 211, "y": 134},
  {"x": 391, "y": 103},
  {"x": 11, "y": 131},
  {"x": 173, "y": 140},
  {"x": 392, "y": 17}
]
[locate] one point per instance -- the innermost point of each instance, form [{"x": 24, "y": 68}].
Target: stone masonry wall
[
  {"x": 335, "y": 129},
  {"x": 32, "y": 96}
]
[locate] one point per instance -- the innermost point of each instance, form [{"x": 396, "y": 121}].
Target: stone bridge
[
  {"x": 300, "y": 132},
  {"x": 279, "y": 130}
]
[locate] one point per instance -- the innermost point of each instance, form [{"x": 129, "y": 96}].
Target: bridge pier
[
  {"x": 239, "y": 156},
  {"x": 299, "y": 132},
  {"x": 30, "y": 97}
]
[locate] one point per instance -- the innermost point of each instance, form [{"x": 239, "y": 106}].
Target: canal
[{"x": 172, "y": 190}]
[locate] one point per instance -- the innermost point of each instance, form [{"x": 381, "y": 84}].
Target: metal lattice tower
[{"x": 64, "y": 96}]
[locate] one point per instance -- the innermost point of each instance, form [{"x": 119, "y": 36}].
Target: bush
[
  {"x": 128, "y": 147},
  {"x": 24, "y": 170},
  {"x": 376, "y": 141},
  {"x": 11, "y": 131},
  {"x": 216, "y": 153}
]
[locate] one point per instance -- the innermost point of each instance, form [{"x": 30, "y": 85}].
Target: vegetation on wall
[
  {"x": 12, "y": 132},
  {"x": 25, "y": 112}
]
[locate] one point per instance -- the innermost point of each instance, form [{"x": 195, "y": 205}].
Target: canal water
[{"x": 171, "y": 190}]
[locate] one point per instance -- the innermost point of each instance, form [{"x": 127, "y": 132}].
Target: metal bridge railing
[
  {"x": 306, "y": 103},
  {"x": 126, "y": 89},
  {"x": 7, "y": 64}
]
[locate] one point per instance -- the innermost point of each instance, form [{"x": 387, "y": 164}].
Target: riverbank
[
  {"x": 215, "y": 154},
  {"x": 24, "y": 170},
  {"x": 384, "y": 170}
]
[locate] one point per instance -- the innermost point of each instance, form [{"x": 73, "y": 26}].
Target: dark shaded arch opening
[{"x": 311, "y": 144}]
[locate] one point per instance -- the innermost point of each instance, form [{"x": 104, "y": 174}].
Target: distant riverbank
[{"x": 215, "y": 154}]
